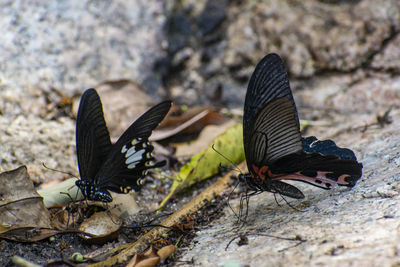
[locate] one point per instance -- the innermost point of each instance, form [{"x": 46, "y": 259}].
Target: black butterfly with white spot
[
  {"x": 274, "y": 147},
  {"x": 118, "y": 167}
]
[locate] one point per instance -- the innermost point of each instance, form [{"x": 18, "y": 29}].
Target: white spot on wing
[
  {"x": 133, "y": 157},
  {"x": 131, "y": 166},
  {"x": 123, "y": 150},
  {"x": 131, "y": 151}
]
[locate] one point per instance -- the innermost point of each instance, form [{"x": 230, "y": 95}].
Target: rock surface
[{"x": 343, "y": 58}]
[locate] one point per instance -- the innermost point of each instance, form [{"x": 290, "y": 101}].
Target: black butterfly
[
  {"x": 119, "y": 167},
  {"x": 274, "y": 147}
]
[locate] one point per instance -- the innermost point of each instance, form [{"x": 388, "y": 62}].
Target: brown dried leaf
[
  {"x": 20, "y": 205},
  {"x": 166, "y": 251},
  {"x": 191, "y": 121},
  {"x": 124, "y": 205},
  {"x": 29, "y": 234},
  {"x": 101, "y": 227},
  {"x": 209, "y": 133},
  {"x": 140, "y": 260},
  {"x": 151, "y": 257}
]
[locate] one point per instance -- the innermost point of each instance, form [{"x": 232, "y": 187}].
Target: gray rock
[{"x": 74, "y": 45}]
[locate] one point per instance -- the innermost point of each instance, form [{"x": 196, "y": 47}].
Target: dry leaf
[
  {"x": 191, "y": 121},
  {"x": 61, "y": 193},
  {"x": 165, "y": 252},
  {"x": 29, "y": 234},
  {"x": 209, "y": 133},
  {"x": 151, "y": 257},
  {"x": 124, "y": 205},
  {"x": 101, "y": 227},
  {"x": 20, "y": 205}
]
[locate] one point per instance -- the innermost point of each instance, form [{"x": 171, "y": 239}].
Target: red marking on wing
[
  {"x": 260, "y": 172},
  {"x": 320, "y": 176},
  {"x": 320, "y": 179}
]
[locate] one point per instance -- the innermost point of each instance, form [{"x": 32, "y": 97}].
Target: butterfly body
[
  {"x": 92, "y": 192},
  {"x": 274, "y": 147},
  {"x": 118, "y": 167}
]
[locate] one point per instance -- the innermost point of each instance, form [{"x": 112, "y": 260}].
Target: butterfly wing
[
  {"x": 270, "y": 122},
  {"x": 322, "y": 164},
  {"x": 268, "y": 82},
  {"x": 130, "y": 156},
  {"x": 93, "y": 142}
]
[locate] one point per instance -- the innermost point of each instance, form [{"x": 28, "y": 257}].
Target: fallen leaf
[
  {"x": 61, "y": 193},
  {"x": 209, "y": 133},
  {"x": 165, "y": 252},
  {"x": 140, "y": 260},
  {"x": 63, "y": 218},
  {"x": 29, "y": 234},
  {"x": 171, "y": 131},
  {"x": 19, "y": 261},
  {"x": 124, "y": 205},
  {"x": 151, "y": 257},
  {"x": 207, "y": 163},
  {"x": 20, "y": 205},
  {"x": 101, "y": 227},
  {"x": 191, "y": 121}
]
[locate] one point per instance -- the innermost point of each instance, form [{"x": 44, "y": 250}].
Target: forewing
[
  {"x": 268, "y": 82},
  {"x": 93, "y": 142},
  {"x": 131, "y": 156},
  {"x": 270, "y": 123}
]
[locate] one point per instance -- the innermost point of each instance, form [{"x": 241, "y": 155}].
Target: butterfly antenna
[
  {"x": 70, "y": 174},
  {"x": 219, "y": 153}
]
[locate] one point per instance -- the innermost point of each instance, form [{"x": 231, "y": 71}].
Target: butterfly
[
  {"x": 118, "y": 167},
  {"x": 274, "y": 147}
]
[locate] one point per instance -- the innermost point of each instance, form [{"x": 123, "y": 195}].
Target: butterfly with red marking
[
  {"x": 274, "y": 147},
  {"x": 118, "y": 167}
]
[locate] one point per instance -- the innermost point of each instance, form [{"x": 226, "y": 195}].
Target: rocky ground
[{"x": 344, "y": 62}]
